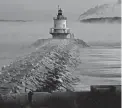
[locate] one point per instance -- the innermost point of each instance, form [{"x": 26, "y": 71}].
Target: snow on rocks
[{"x": 46, "y": 69}]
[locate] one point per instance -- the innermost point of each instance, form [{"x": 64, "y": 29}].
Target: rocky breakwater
[{"x": 47, "y": 69}]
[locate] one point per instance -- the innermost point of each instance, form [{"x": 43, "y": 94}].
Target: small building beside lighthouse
[{"x": 60, "y": 30}]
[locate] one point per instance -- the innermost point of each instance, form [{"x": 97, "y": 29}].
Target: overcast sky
[
  {"x": 69, "y": 5},
  {"x": 22, "y": 7},
  {"x": 44, "y": 10}
]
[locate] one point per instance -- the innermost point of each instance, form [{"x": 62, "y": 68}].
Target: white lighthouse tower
[{"x": 60, "y": 30}]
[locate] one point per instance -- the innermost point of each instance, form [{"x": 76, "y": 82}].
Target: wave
[{"x": 103, "y": 75}]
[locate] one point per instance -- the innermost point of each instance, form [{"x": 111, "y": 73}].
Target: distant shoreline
[
  {"x": 102, "y": 20},
  {"x": 16, "y": 20}
]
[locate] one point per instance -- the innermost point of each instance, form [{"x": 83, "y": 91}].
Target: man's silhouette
[{"x": 30, "y": 94}]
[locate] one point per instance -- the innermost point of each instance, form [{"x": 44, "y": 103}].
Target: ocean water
[{"x": 99, "y": 65}]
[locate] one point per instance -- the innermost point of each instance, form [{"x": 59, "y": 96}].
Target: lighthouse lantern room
[{"x": 60, "y": 30}]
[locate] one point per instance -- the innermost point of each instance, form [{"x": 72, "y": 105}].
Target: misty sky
[
  {"x": 34, "y": 8},
  {"x": 44, "y": 10}
]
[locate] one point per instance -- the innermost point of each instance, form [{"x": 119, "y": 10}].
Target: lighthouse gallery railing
[{"x": 53, "y": 30}]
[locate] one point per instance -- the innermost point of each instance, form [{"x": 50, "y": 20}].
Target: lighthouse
[{"x": 60, "y": 30}]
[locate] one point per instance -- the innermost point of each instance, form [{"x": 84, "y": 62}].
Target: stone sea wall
[{"x": 47, "y": 69}]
